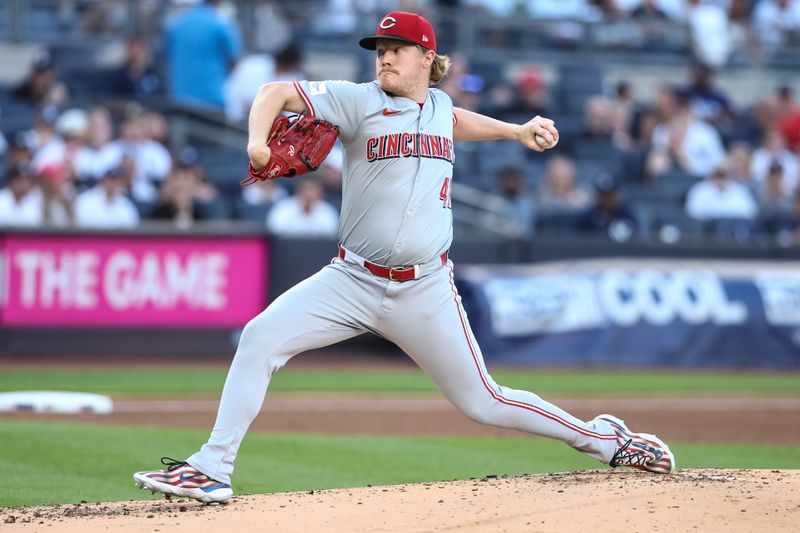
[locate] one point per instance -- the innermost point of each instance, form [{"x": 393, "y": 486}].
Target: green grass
[
  {"x": 67, "y": 463},
  {"x": 205, "y": 380}
]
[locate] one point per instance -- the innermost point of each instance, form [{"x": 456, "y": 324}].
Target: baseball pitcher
[{"x": 391, "y": 275}]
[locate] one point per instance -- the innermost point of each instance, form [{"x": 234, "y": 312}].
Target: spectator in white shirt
[
  {"x": 101, "y": 128},
  {"x": 556, "y": 9},
  {"x": 251, "y": 72},
  {"x": 265, "y": 192},
  {"x": 271, "y": 14},
  {"x": 305, "y": 214},
  {"x": 243, "y": 83},
  {"x": 152, "y": 161},
  {"x": 710, "y": 32},
  {"x": 775, "y": 207},
  {"x": 105, "y": 205},
  {"x": 774, "y": 150},
  {"x": 739, "y": 154},
  {"x": 675, "y": 9},
  {"x": 695, "y": 146},
  {"x": 776, "y": 21},
  {"x": 773, "y": 195},
  {"x": 720, "y": 197},
  {"x": 569, "y": 30},
  {"x": 58, "y": 194},
  {"x": 559, "y": 190},
  {"x": 42, "y": 131},
  {"x": 69, "y": 148},
  {"x": 20, "y": 200},
  {"x": 339, "y": 17}
]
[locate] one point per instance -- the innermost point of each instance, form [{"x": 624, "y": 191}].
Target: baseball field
[{"x": 355, "y": 446}]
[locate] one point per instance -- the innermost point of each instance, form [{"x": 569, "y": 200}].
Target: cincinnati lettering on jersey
[{"x": 396, "y": 145}]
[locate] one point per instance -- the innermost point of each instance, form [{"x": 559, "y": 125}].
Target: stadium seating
[{"x": 494, "y": 49}]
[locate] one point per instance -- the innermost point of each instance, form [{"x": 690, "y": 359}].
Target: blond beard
[
  {"x": 397, "y": 87},
  {"x": 391, "y": 86}
]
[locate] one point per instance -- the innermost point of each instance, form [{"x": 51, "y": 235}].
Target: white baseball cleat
[
  {"x": 182, "y": 479},
  {"x": 640, "y": 450}
]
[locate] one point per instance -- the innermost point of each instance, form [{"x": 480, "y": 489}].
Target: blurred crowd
[
  {"x": 111, "y": 165},
  {"x": 717, "y": 29},
  {"x": 90, "y": 169},
  {"x": 687, "y": 161},
  {"x": 681, "y": 160}
]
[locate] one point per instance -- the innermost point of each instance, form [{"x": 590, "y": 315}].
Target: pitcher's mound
[{"x": 604, "y": 500}]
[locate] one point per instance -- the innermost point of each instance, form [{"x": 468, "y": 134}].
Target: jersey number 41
[{"x": 445, "y": 194}]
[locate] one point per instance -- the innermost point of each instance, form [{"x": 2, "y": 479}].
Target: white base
[{"x": 55, "y": 402}]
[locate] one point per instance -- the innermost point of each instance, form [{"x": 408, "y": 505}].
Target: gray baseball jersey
[
  {"x": 397, "y": 169},
  {"x": 395, "y": 212}
]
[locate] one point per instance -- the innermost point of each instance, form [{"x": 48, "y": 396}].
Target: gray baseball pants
[{"x": 424, "y": 317}]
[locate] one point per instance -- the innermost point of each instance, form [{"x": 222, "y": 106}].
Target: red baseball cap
[
  {"x": 402, "y": 26},
  {"x": 52, "y": 172},
  {"x": 530, "y": 79}
]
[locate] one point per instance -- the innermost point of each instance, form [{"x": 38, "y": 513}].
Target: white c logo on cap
[{"x": 387, "y": 22}]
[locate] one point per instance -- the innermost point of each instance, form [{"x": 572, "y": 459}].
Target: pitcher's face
[{"x": 401, "y": 67}]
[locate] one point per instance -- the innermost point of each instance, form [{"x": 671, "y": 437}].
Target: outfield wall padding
[{"x": 71, "y": 292}]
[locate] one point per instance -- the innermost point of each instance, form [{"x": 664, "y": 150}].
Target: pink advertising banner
[{"x": 131, "y": 281}]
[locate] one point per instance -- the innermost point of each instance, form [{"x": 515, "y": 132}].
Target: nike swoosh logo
[{"x": 388, "y": 112}]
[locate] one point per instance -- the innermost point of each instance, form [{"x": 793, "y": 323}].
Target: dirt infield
[
  {"x": 606, "y": 501},
  {"x": 691, "y": 500},
  {"x": 744, "y": 420}
]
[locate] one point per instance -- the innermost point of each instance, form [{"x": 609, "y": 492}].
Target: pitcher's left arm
[{"x": 471, "y": 126}]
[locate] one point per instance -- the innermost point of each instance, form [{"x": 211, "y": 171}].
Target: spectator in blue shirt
[
  {"x": 708, "y": 102},
  {"x": 136, "y": 76},
  {"x": 609, "y": 214},
  {"x": 201, "y": 48},
  {"x": 519, "y": 206}
]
